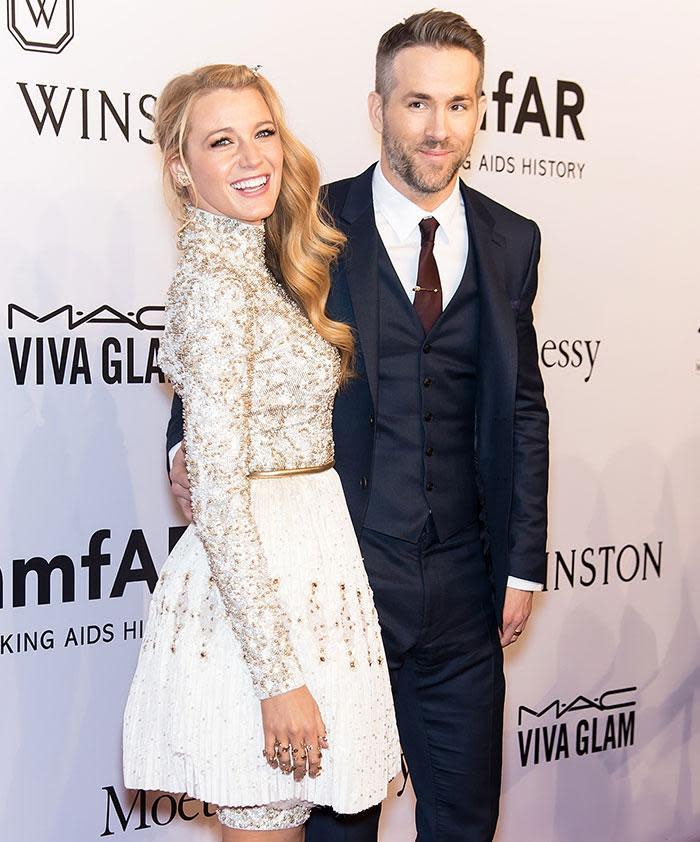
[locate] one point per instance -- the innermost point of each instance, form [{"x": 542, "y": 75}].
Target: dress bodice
[{"x": 257, "y": 384}]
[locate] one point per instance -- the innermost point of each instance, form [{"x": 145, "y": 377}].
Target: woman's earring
[{"x": 183, "y": 179}]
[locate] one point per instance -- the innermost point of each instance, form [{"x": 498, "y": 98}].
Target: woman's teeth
[{"x": 250, "y": 183}]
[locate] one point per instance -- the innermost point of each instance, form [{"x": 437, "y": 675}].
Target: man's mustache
[{"x": 436, "y": 146}]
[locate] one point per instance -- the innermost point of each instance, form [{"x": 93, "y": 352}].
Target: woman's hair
[{"x": 301, "y": 242}]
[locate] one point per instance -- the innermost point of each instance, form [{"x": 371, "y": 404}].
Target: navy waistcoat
[{"x": 424, "y": 446}]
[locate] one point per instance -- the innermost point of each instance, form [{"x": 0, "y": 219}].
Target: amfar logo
[
  {"x": 607, "y": 723},
  {"x": 43, "y": 26},
  {"x": 53, "y": 578},
  {"x": 568, "y": 105},
  {"x": 37, "y": 360}
]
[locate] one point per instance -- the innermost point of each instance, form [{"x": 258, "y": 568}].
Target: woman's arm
[{"x": 206, "y": 352}]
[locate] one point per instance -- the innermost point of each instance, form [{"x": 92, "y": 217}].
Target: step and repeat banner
[{"x": 591, "y": 130}]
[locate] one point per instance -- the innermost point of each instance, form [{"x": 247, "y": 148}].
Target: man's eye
[
  {"x": 417, "y": 104},
  {"x": 459, "y": 106}
]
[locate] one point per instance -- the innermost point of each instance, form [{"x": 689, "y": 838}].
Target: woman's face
[{"x": 234, "y": 154}]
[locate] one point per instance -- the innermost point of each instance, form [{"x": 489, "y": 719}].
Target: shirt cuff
[
  {"x": 171, "y": 454},
  {"x": 522, "y": 584}
]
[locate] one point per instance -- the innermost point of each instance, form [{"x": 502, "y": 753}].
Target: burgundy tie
[{"x": 428, "y": 298}]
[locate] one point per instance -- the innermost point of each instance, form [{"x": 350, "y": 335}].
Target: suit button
[
  {"x": 429, "y": 451},
  {"x": 364, "y": 483},
  {"x": 427, "y": 381},
  {"x": 371, "y": 419},
  {"x": 429, "y": 486},
  {"x": 428, "y": 416},
  {"x": 426, "y": 348}
]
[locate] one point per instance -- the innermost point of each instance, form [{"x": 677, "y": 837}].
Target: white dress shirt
[{"x": 397, "y": 219}]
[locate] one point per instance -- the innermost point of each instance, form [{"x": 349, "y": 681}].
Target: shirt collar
[{"x": 403, "y": 215}]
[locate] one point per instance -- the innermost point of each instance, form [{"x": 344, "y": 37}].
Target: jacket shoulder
[
  {"x": 503, "y": 217},
  {"x": 334, "y": 194}
]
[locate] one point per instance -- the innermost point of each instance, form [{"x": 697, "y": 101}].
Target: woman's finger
[
  {"x": 299, "y": 755},
  {"x": 284, "y": 755},
  {"x": 269, "y": 752}
]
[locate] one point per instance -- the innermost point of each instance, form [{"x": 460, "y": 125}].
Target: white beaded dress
[{"x": 266, "y": 590}]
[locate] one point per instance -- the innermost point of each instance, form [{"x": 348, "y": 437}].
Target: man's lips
[{"x": 436, "y": 153}]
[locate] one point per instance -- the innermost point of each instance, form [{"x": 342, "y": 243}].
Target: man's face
[{"x": 429, "y": 118}]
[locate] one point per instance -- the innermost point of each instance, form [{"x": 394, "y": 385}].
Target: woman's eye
[
  {"x": 266, "y": 133},
  {"x": 222, "y": 141}
]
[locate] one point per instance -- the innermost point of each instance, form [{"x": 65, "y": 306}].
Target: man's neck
[{"x": 426, "y": 201}]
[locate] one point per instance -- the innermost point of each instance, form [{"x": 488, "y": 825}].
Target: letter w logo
[
  {"x": 37, "y": 10},
  {"x": 44, "y": 26}
]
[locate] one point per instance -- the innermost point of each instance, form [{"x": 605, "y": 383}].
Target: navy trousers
[{"x": 440, "y": 633}]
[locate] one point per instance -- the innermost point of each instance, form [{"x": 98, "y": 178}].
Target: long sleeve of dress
[{"x": 206, "y": 352}]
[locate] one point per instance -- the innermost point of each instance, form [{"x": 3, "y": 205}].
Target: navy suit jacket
[{"x": 511, "y": 438}]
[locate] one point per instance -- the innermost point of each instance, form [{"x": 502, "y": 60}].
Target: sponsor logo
[
  {"x": 549, "y": 109},
  {"x": 585, "y": 725},
  {"x": 58, "y": 578},
  {"x": 70, "y": 360},
  {"x": 89, "y": 114},
  {"x": 139, "y": 810},
  {"x": 603, "y": 565},
  {"x": 44, "y": 26},
  {"x": 565, "y": 105},
  {"x": 571, "y": 354}
]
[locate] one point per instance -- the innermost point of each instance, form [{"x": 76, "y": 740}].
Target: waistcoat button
[
  {"x": 429, "y": 486},
  {"x": 364, "y": 483},
  {"x": 428, "y": 416},
  {"x": 429, "y": 451},
  {"x": 427, "y": 381}
]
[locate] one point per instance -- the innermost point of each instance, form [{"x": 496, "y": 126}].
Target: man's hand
[
  {"x": 516, "y": 610},
  {"x": 180, "y": 483}
]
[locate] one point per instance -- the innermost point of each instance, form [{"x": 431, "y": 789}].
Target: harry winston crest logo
[{"x": 44, "y": 26}]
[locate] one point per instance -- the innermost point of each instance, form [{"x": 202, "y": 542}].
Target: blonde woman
[{"x": 261, "y": 685}]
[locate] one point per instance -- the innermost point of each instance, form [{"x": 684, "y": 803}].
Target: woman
[{"x": 262, "y": 652}]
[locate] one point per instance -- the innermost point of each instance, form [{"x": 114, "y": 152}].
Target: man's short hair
[{"x": 426, "y": 29}]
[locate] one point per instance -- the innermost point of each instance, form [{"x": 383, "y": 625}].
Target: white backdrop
[{"x": 601, "y": 735}]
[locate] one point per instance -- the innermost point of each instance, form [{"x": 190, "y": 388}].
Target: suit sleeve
[
  {"x": 207, "y": 353},
  {"x": 528, "y": 520},
  {"x": 175, "y": 432}
]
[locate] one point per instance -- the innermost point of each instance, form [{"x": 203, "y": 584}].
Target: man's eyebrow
[{"x": 455, "y": 98}]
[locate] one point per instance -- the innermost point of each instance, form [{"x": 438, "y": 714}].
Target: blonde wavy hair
[{"x": 301, "y": 242}]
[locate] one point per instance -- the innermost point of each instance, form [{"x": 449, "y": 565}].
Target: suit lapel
[{"x": 360, "y": 262}]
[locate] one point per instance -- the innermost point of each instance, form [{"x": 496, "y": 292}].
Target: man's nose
[{"x": 437, "y": 128}]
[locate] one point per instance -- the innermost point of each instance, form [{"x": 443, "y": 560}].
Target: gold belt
[{"x": 288, "y": 472}]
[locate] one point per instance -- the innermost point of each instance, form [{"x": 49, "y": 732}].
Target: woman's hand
[{"x": 294, "y": 733}]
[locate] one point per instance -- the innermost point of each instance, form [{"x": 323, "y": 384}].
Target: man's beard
[{"x": 400, "y": 161}]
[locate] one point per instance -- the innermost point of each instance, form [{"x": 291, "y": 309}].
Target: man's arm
[
  {"x": 175, "y": 432},
  {"x": 177, "y": 470},
  {"x": 528, "y": 517}
]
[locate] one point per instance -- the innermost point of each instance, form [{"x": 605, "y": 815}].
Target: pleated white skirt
[{"x": 192, "y": 722}]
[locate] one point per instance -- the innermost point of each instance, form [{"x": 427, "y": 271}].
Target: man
[{"x": 441, "y": 441}]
